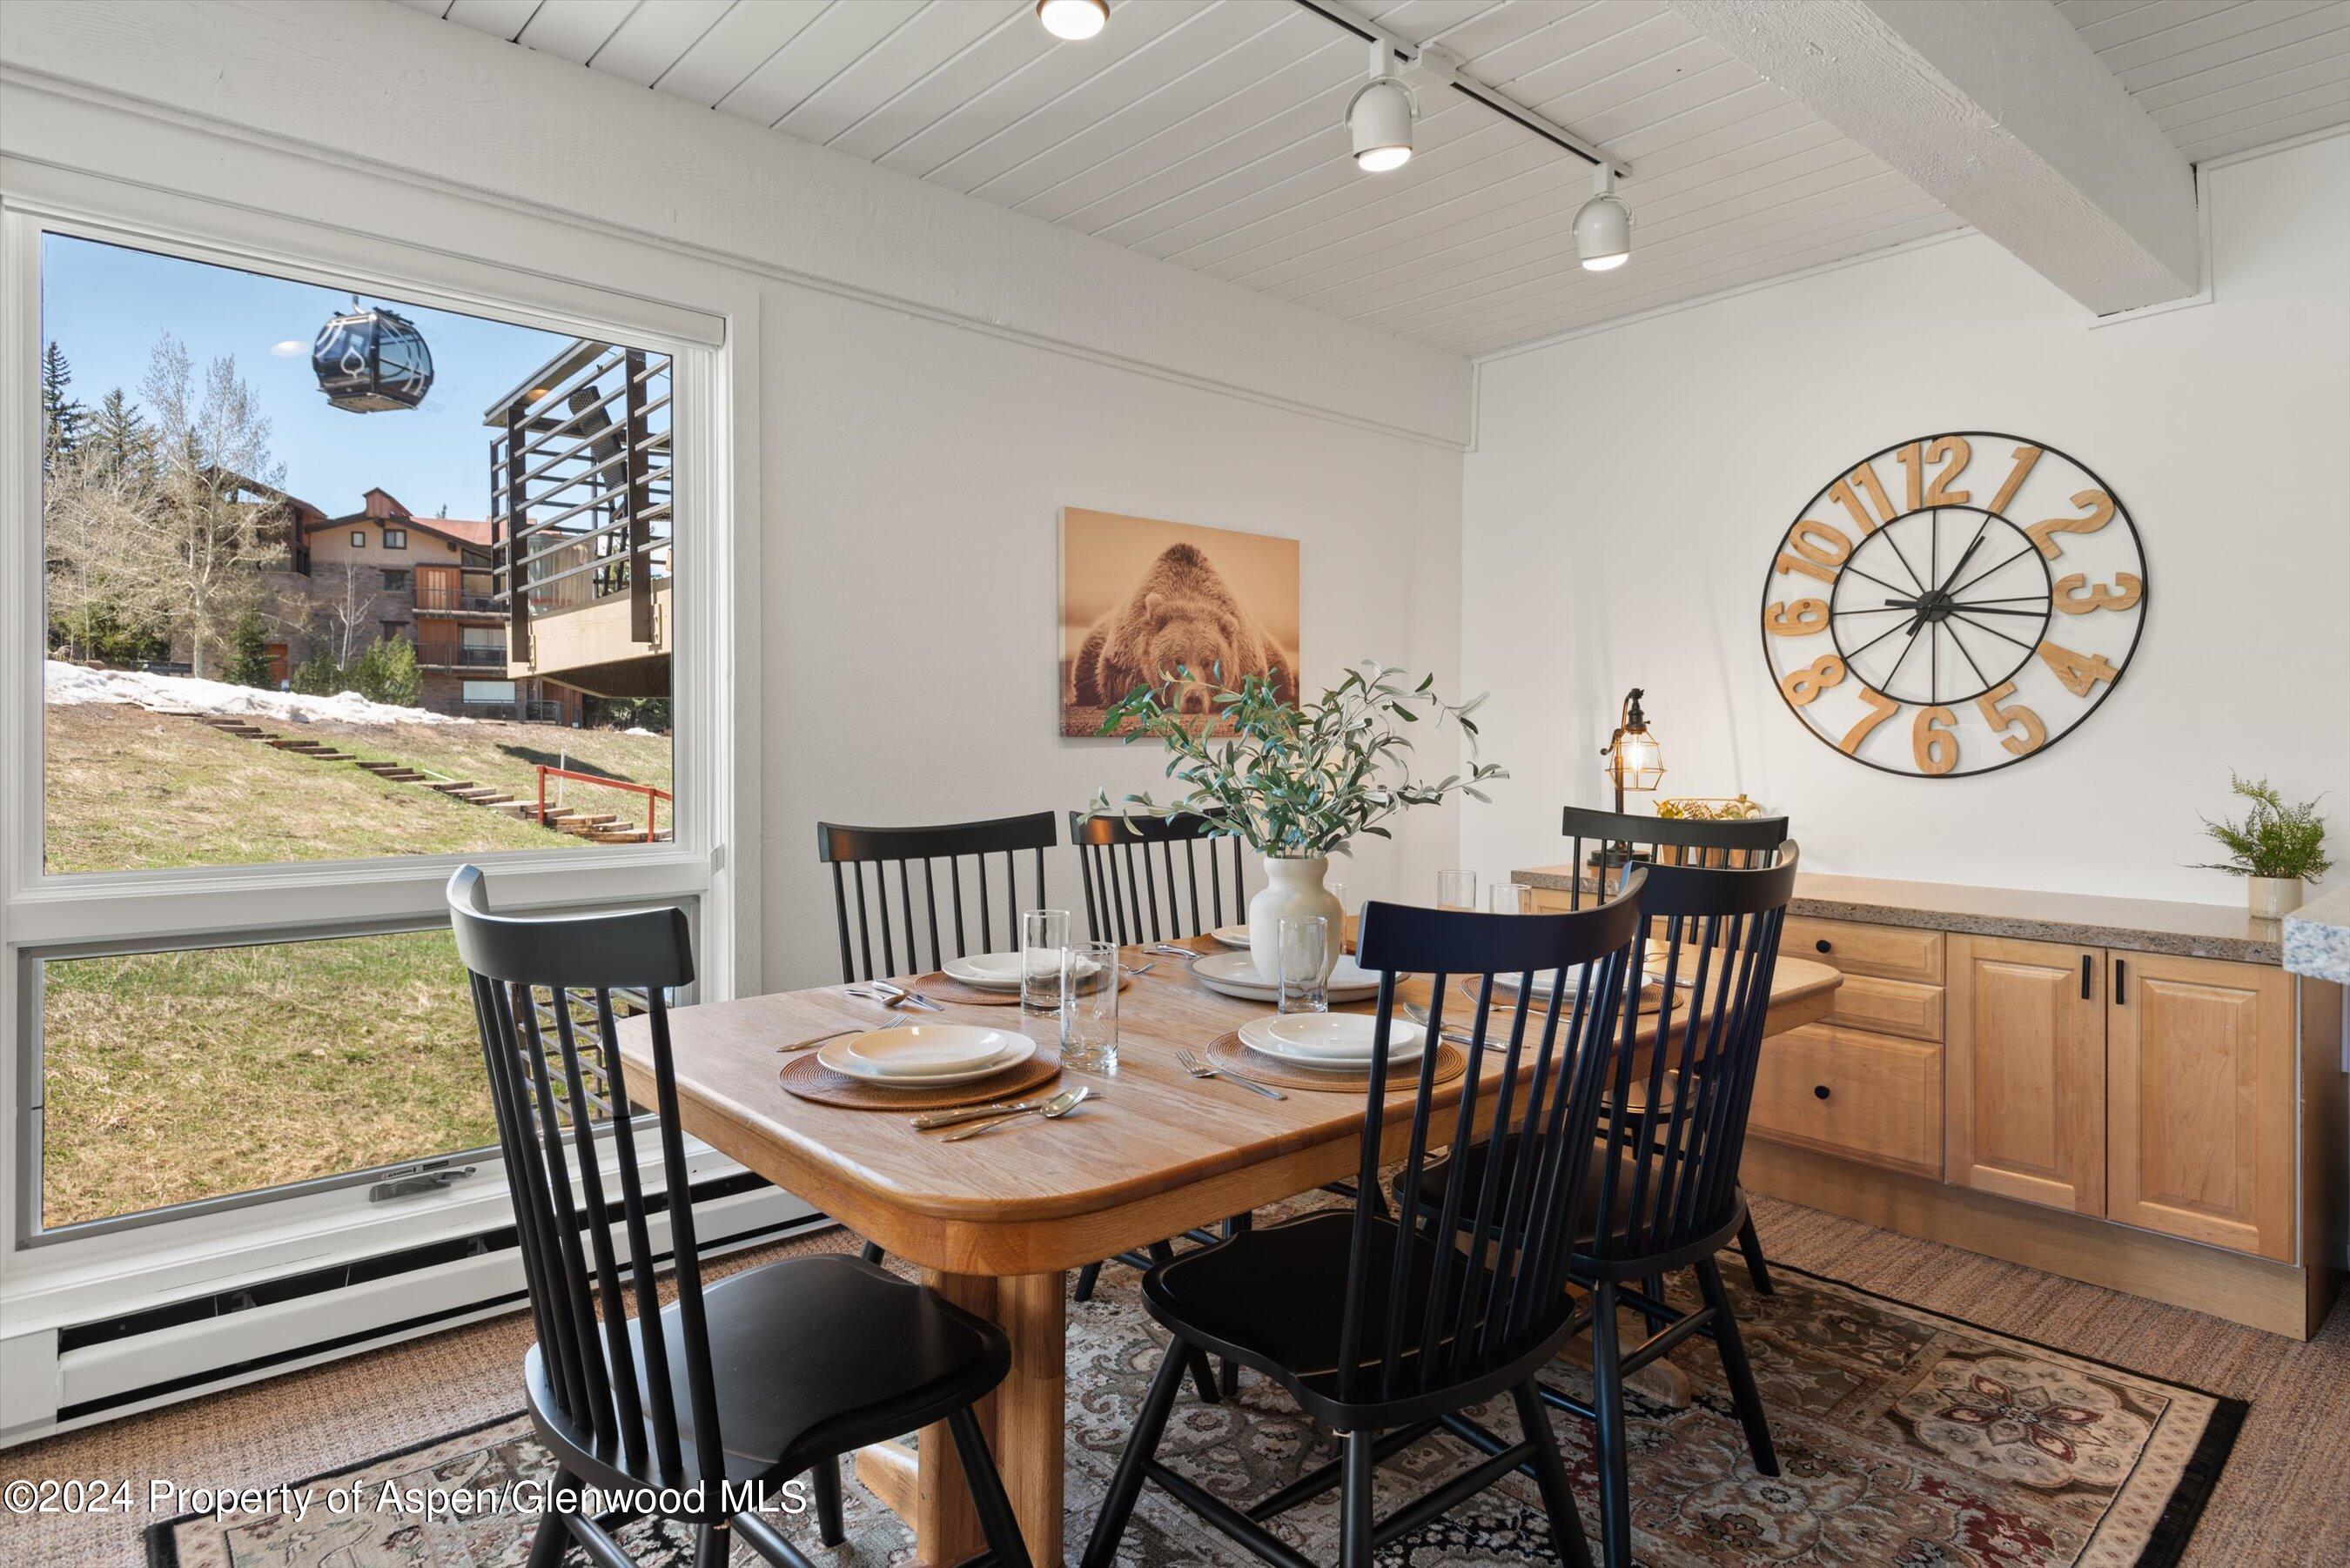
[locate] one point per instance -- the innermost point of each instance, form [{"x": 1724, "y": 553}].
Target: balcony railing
[
  {"x": 580, "y": 486},
  {"x": 448, "y": 654}
]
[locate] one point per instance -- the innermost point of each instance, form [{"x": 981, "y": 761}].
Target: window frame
[
  {"x": 359, "y": 538},
  {"x": 395, "y": 539},
  {"x": 45, "y": 916}
]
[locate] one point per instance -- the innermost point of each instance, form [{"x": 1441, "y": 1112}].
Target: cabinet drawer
[
  {"x": 1888, "y": 952},
  {"x": 1889, "y": 1007},
  {"x": 1863, "y": 1097}
]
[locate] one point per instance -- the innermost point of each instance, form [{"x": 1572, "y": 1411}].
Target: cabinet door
[
  {"x": 2025, "y": 1097},
  {"x": 2200, "y": 1062}
]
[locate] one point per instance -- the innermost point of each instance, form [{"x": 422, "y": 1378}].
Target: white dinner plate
[
  {"x": 1574, "y": 979},
  {"x": 1338, "y": 1040},
  {"x": 1001, "y": 972},
  {"x": 926, "y": 1055},
  {"x": 1234, "y": 974},
  {"x": 1232, "y": 936}
]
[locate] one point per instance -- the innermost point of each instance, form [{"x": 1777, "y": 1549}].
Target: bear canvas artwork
[{"x": 1142, "y": 599}]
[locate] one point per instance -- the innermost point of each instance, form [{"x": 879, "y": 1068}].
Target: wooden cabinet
[
  {"x": 2025, "y": 1091},
  {"x": 1846, "y": 1091},
  {"x": 1887, "y": 952},
  {"x": 2199, "y": 1066}
]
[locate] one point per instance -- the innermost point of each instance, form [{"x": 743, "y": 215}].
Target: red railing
[{"x": 653, "y": 814}]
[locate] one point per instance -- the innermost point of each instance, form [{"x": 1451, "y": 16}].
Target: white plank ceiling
[{"x": 1207, "y": 132}]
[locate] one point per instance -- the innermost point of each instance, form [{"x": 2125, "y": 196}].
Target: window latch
[{"x": 418, "y": 1182}]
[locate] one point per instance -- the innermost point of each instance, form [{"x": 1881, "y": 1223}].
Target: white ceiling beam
[{"x": 2002, "y": 112}]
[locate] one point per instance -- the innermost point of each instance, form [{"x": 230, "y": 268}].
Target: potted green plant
[
  {"x": 2276, "y": 847},
  {"x": 1297, "y": 783}
]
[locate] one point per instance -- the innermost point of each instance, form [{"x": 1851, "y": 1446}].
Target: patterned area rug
[{"x": 1905, "y": 1439}]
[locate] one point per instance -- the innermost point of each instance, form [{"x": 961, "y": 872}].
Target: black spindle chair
[
  {"x": 1142, "y": 883},
  {"x": 1134, "y": 894},
  {"x": 878, "y": 855},
  {"x": 893, "y": 923},
  {"x": 1375, "y": 1324},
  {"x": 1682, "y": 841},
  {"x": 1663, "y": 1186},
  {"x": 742, "y": 1384}
]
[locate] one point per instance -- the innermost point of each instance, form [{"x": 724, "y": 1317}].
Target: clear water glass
[
  {"x": 1456, "y": 889},
  {"x": 1044, "y": 954},
  {"x": 1304, "y": 949},
  {"x": 1338, "y": 891},
  {"x": 1089, "y": 1007},
  {"x": 1512, "y": 898}
]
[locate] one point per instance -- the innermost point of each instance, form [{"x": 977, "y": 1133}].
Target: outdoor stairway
[{"x": 596, "y": 827}]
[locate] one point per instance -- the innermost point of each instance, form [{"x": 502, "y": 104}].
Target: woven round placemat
[
  {"x": 1226, "y": 1051},
  {"x": 812, "y": 1080},
  {"x": 940, "y": 986}
]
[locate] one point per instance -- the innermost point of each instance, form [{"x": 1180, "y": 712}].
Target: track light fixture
[
  {"x": 1379, "y": 116},
  {"x": 1603, "y": 225},
  {"x": 1073, "y": 20}
]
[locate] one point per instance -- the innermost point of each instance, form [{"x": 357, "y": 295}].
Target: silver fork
[
  {"x": 1198, "y": 1069},
  {"x": 1171, "y": 949},
  {"x": 896, "y": 996}
]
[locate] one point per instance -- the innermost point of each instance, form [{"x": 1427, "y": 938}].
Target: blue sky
[{"x": 105, "y": 306}]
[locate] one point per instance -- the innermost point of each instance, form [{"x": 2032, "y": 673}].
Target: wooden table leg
[{"x": 1025, "y": 1420}]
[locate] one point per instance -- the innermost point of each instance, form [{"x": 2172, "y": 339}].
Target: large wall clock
[{"x": 1954, "y": 604}]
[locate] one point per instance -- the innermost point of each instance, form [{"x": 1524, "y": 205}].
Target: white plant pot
[
  {"x": 2273, "y": 898},
  {"x": 1292, "y": 887}
]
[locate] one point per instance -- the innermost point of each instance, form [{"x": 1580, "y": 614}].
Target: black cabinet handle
[
  {"x": 2085, "y": 977},
  {"x": 1824, "y": 945},
  {"x": 1819, "y": 1091},
  {"x": 2121, "y": 973}
]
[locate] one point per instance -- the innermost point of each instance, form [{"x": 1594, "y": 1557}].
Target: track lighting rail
[{"x": 1432, "y": 64}]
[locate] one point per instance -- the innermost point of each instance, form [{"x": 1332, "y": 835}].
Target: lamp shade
[
  {"x": 1603, "y": 233},
  {"x": 1635, "y": 761}
]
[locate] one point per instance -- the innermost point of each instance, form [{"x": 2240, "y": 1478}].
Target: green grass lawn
[
  {"x": 127, "y": 790},
  {"x": 174, "y": 1076}
]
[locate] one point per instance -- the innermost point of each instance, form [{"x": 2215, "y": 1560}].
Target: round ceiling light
[
  {"x": 1073, "y": 20},
  {"x": 1379, "y": 120}
]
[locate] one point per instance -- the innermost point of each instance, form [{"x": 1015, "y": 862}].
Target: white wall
[
  {"x": 932, "y": 379},
  {"x": 1628, "y": 488},
  {"x": 918, "y": 468}
]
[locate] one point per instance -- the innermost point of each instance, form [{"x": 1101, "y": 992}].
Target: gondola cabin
[{"x": 370, "y": 360}]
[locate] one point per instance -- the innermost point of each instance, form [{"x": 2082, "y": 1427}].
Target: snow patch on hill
[{"x": 69, "y": 685}]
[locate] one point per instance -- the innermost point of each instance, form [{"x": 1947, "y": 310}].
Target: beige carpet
[{"x": 2279, "y": 1499}]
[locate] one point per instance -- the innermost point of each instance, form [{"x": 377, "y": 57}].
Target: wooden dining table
[{"x": 996, "y": 1222}]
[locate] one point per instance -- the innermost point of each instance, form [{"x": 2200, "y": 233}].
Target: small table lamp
[
  {"x": 1631, "y": 760},
  {"x": 1634, "y": 761}
]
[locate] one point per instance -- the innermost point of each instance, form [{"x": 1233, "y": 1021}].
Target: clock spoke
[
  {"x": 1996, "y": 632},
  {"x": 1987, "y": 571},
  {"x": 1880, "y": 582},
  {"x": 1985, "y": 610},
  {"x": 1872, "y": 642},
  {"x": 1907, "y": 650},
  {"x": 1903, "y": 557},
  {"x": 1960, "y": 644}
]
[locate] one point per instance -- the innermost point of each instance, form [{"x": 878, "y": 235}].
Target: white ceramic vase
[
  {"x": 1292, "y": 887},
  {"x": 2271, "y": 897}
]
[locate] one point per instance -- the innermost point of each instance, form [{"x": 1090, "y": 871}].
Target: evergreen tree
[
  {"x": 386, "y": 673},
  {"x": 319, "y": 675},
  {"x": 62, "y": 417},
  {"x": 118, "y": 439},
  {"x": 248, "y": 654}
]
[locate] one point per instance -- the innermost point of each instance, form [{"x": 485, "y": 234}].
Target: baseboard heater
[{"x": 117, "y": 1366}]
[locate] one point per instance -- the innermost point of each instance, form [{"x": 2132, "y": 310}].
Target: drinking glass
[
  {"x": 1089, "y": 1007},
  {"x": 1456, "y": 889},
  {"x": 1512, "y": 898},
  {"x": 1338, "y": 891},
  {"x": 1304, "y": 952},
  {"x": 1044, "y": 954}
]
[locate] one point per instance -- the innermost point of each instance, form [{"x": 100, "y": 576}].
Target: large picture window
[
  {"x": 203, "y": 501},
  {"x": 254, "y": 743}
]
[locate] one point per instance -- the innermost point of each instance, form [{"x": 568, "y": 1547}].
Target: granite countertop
[
  {"x": 2134, "y": 925},
  {"x": 2317, "y": 938}
]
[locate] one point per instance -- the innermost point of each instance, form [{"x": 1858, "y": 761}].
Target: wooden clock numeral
[{"x": 1941, "y": 609}]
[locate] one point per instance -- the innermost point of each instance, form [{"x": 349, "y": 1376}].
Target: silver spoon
[{"x": 1054, "y": 1109}]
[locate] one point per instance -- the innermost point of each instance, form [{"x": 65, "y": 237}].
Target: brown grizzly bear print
[{"x": 1181, "y": 616}]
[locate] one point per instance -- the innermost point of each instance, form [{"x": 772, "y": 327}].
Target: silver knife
[{"x": 930, "y": 1119}]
